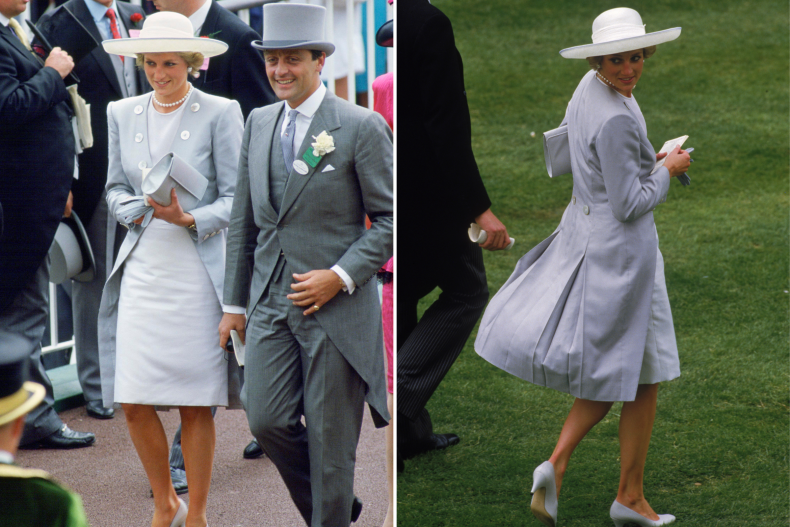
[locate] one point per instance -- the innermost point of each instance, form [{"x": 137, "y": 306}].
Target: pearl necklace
[
  {"x": 171, "y": 104},
  {"x": 597, "y": 74}
]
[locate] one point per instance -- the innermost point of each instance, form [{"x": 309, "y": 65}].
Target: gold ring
[{"x": 315, "y": 306}]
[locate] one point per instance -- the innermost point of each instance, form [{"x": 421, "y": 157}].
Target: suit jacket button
[
  {"x": 138, "y": 109},
  {"x": 586, "y": 209},
  {"x": 195, "y": 107},
  {"x": 138, "y": 138},
  {"x": 573, "y": 200},
  {"x": 141, "y": 165},
  {"x": 205, "y": 237},
  {"x": 184, "y": 135}
]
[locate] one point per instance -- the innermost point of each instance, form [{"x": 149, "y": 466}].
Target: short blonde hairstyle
[
  {"x": 595, "y": 62},
  {"x": 193, "y": 59}
]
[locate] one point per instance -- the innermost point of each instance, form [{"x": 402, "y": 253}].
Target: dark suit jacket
[
  {"x": 36, "y": 161},
  {"x": 438, "y": 182},
  {"x": 98, "y": 86},
  {"x": 239, "y": 73}
]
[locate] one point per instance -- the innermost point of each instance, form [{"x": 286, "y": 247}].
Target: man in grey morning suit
[{"x": 296, "y": 238}]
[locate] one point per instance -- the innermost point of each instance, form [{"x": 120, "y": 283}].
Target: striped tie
[{"x": 288, "y": 140}]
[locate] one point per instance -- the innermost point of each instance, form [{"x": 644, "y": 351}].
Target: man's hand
[
  {"x": 231, "y": 321},
  {"x": 496, "y": 231},
  {"x": 69, "y": 204},
  {"x": 60, "y": 61},
  {"x": 173, "y": 213},
  {"x": 314, "y": 289}
]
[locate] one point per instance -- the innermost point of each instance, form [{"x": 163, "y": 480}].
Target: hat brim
[
  {"x": 131, "y": 47},
  {"x": 622, "y": 45},
  {"x": 90, "y": 271},
  {"x": 326, "y": 47},
  {"x": 35, "y": 395}
]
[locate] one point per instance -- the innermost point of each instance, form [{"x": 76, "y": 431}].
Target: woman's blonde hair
[
  {"x": 595, "y": 62},
  {"x": 193, "y": 59}
]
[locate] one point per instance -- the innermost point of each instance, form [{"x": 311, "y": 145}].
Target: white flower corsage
[{"x": 323, "y": 145}]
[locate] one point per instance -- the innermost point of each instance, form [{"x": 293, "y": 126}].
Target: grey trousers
[
  {"x": 27, "y": 316},
  {"x": 293, "y": 369},
  {"x": 105, "y": 236}
]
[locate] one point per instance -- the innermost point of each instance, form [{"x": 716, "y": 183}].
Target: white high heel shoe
[
  {"x": 621, "y": 515},
  {"x": 544, "y": 494},
  {"x": 181, "y": 515}
]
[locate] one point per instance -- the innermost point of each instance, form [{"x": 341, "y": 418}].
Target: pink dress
[{"x": 382, "y": 103}]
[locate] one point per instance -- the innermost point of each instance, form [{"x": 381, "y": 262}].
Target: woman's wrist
[{"x": 187, "y": 220}]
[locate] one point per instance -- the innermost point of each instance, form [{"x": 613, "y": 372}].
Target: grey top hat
[
  {"x": 70, "y": 253},
  {"x": 294, "y": 26}
]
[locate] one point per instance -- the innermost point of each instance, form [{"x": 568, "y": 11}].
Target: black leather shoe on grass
[{"x": 63, "y": 438}]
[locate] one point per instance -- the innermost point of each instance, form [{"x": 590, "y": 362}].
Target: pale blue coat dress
[
  {"x": 168, "y": 341},
  {"x": 586, "y": 311}
]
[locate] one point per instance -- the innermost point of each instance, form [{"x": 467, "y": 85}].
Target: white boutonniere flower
[{"x": 323, "y": 145}]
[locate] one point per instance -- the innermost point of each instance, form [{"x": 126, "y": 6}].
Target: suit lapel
[
  {"x": 126, "y": 13},
  {"x": 12, "y": 39},
  {"x": 82, "y": 13},
  {"x": 325, "y": 119},
  {"x": 209, "y": 27},
  {"x": 266, "y": 138}
]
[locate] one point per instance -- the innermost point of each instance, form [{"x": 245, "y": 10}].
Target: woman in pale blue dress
[{"x": 586, "y": 311}]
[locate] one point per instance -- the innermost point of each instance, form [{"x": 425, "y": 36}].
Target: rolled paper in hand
[{"x": 479, "y": 236}]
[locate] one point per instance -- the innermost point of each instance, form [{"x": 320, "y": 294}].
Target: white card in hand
[
  {"x": 479, "y": 236},
  {"x": 668, "y": 147}
]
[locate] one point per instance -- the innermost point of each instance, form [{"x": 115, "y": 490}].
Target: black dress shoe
[
  {"x": 97, "y": 410},
  {"x": 179, "y": 477},
  {"x": 63, "y": 438},
  {"x": 253, "y": 450},
  {"x": 432, "y": 442},
  {"x": 356, "y": 509}
]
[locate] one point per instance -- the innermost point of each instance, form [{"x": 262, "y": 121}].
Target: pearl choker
[
  {"x": 604, "y": 79},
  {"x": 171, "y": 104}
]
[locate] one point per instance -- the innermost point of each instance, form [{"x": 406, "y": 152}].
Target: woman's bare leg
[
  {"x": 197, "y": 442},
  {"x": 150, "y": 441},
  {"x": 583, "y": 416},
  {"x": 636, "y": 426}
]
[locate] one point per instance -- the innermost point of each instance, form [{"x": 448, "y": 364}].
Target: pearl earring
[{"x": 189, "y": 69}]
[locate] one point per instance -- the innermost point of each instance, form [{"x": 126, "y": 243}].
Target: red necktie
[{"x": 114, "y": 26}]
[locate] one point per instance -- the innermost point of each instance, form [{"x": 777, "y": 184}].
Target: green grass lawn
[{"x": 719, "y": 453}]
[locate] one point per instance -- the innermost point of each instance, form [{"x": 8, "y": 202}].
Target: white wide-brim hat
[
  {"x": 165, "y": 32},
  {"x": 616, "y": 31},
  {"x": 294, "y": 26}
]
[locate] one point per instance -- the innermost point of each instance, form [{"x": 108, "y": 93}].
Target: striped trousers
[{"x": 428, "y": 347}]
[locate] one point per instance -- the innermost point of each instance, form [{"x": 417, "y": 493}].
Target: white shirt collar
[
  {"x": 4, "y": 20},
  {"x": 311, "y": 104},
  {"x": 98, "y": 11},
  {"x": 198, "y": 18}
]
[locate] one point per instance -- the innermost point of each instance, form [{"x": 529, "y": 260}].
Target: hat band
[
  {"x": 618, "y": 32},
  {"x": 163, "y": 33},
  {"x": 13, "y": 401}
]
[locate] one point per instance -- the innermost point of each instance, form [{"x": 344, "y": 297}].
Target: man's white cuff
[{"x": 350, "y": 284}]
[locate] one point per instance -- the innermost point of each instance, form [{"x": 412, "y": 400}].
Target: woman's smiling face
[
  {"x": 167, "y": 75},
  {"x": 623, "y": 70}
]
